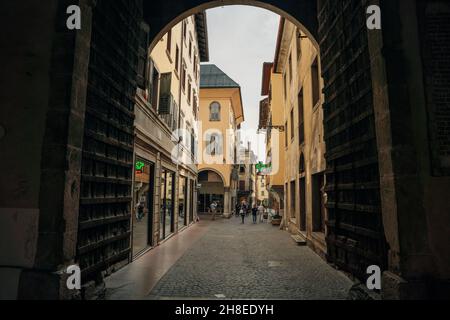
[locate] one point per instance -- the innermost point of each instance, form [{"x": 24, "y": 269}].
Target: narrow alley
[{"x": 227, "y": 260}]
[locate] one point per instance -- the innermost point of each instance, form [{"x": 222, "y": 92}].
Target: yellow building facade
[
  {"x": 272, "y": 122},
  {"x": 297, "y": 68},
  {"x": 166, "y": 115},
  {"x": 221, "y": 113}
]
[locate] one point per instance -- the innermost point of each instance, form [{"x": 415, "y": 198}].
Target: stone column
[
  {"x": 403, "y": 151},
  {"x": 227, "y": 203},
  {"x": 44, "y": 94}
]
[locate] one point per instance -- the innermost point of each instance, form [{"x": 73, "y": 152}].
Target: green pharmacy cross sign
[
  {"x": 140, "y": 166},
  {"x": 261, "y": 167}
]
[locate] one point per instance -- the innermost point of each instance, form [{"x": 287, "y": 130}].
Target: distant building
[
  {"x": 247, "y": 176},
  {"x": 271, "y": 119},
  {"x": 262, "y": 195},
  {"x": 221, "y": 114}
]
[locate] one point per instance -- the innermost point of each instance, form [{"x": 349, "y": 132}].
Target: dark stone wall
[{"x": 104, "y": 231}]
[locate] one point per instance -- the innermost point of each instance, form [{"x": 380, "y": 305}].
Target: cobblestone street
[{"x": 234, "y": 261}]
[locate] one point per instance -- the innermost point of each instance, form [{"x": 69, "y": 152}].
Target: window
[
  {"x": 195, "y": 65},
  {"x": 315, "y": 82},
  {"x": 177, "y": 59},
  {"x": 195, "y": 104},
  {"x": 292, "y": 198},
  {"x": 153, "y": 85},
  {"x": 190, "y": 49},
  {"x": 292, "y": 124},
  {"x": 302, "y": 167},
  {"x": 214, "y": 111},
  {"x": 169, "y": 42},
  {"x": 193, "y": 143},
  {"x": 290, "y": 68},
  {"x": 189, "y": 92},
  {"x": 299, "y": 45},
  {"x": 215, "y": 145},
  {"x": 301, "y": 120},
  {"x": 183, "y": 76},
  {"x": 184, "y": 30},
  {"x": 286, "y": 134}
]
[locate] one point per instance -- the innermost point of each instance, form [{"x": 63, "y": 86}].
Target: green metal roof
[{"x": 212, "y": 77}]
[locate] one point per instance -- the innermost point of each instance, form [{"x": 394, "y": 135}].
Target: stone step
[{"x": 299, "y": 240}]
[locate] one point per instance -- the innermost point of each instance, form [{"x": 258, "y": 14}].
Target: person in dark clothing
[
  {"x": 242, "y": 213},
  {"x": 237, "y": 209},
  {"x": 254, "y": 213}
]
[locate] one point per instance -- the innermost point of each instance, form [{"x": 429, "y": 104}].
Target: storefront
[
  {"x": 182, "y": 202},
  {"x": 143, "y": 192},
  {"x": 167, "y": 204}
]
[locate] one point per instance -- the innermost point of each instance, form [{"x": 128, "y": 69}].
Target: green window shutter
[{"x": 165, "y": 97}]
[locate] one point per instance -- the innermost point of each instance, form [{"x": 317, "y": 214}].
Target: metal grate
[
  {"x": 104, "y": 219},
  {"x": 356, "y": 237}
]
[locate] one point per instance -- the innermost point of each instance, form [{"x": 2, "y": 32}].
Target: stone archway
[
  {"x": 212, "y": 188},
  {"x": 386, "y": 80}
]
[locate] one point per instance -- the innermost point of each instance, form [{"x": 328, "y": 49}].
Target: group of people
[{"x": 243, "y": 210}]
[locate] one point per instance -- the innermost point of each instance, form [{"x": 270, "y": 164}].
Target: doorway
[
  {"x": 318, "y": 206},
  {"x": 302, "y": 191}
]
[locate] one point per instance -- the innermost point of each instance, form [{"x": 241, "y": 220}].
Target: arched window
[
  {"x": 214, "y": 144},
  {"x": 214, "y": 111}
]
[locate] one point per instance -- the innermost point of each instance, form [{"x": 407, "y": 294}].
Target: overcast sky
[{"x": 241, "y": 39}]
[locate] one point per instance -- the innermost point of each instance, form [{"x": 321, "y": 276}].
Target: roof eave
[{"x": 201, "y": 26}]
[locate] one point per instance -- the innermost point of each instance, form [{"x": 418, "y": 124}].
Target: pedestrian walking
[
  {"x": 254, "y": 213},
  {"x": 242, "y": 213},
  {"x": 237, "y": 210},
  {"x": 213, "y": 210},
  {"x": 261, "y": 210}
]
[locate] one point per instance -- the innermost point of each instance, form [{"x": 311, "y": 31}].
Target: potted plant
[{"x": 276, "y": 219}]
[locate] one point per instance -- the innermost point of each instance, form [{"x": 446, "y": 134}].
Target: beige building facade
[
  {"x": 221, "y": 114},
  {"x": 297, "y": 63},
  {"x": 272, "y": 122},
  {"x": 166, "y": 131}
]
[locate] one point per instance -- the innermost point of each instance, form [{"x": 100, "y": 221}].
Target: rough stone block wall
[
  {"x": 434, "y": 19},
  {"x": 107, "y": 164},
  {"x": 356, "y": 237}
]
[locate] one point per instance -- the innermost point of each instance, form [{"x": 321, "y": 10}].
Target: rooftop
[{"x": 212, "y": 77}]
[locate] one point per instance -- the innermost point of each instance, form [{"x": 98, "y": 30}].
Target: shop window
[
  {"x": 143, "y": 206},
  {"x": 182, "y": 201},
  {"x": 166, "y": 204}
]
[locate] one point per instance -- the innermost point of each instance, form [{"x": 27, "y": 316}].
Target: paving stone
[{"x": 250, "y": 262}]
